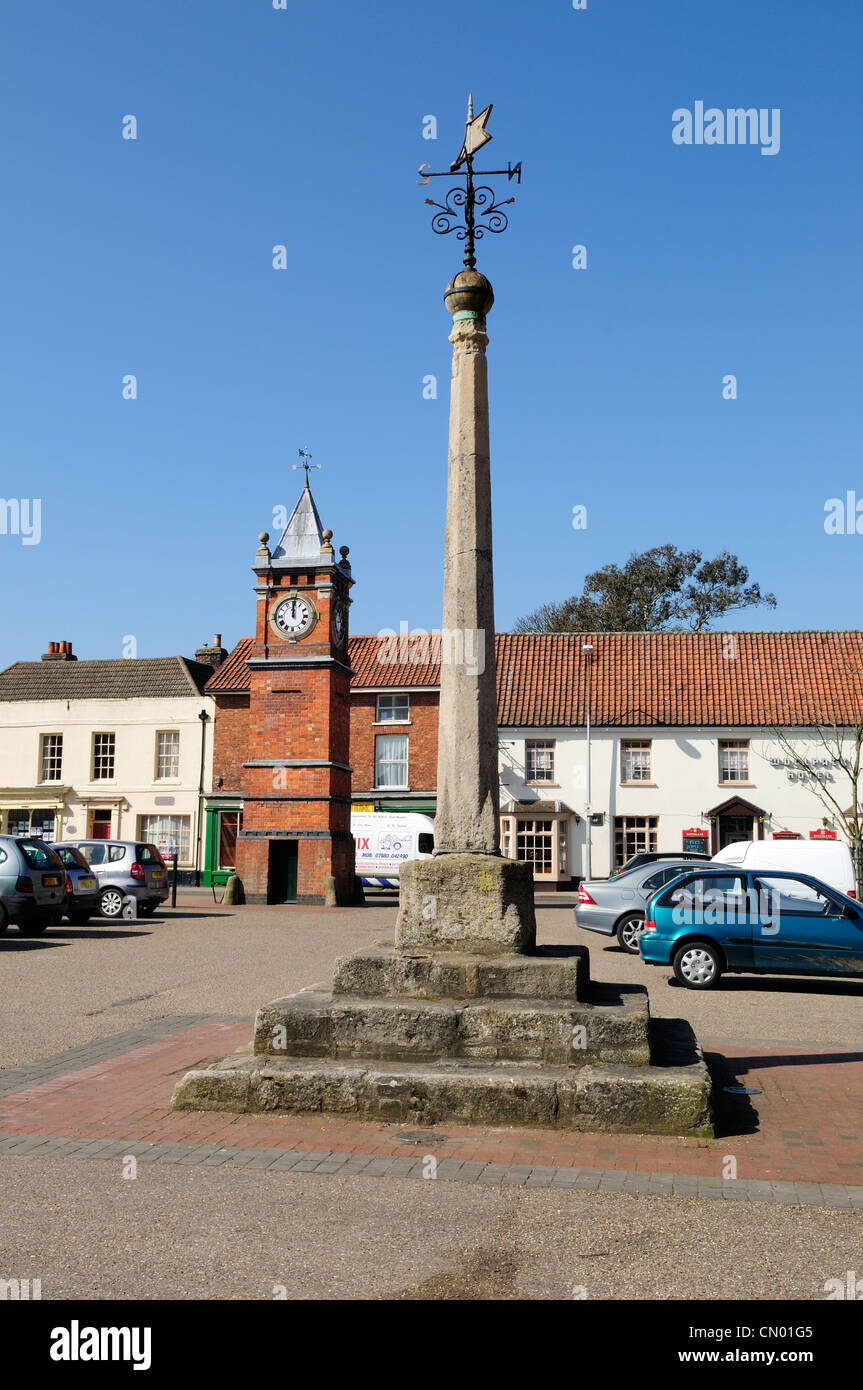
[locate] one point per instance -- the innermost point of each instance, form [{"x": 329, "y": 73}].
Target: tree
[
  {"x": 660, "y": 590},
  {"x": 836, "y": 733}
]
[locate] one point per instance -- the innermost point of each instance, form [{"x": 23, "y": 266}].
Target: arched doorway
[{"x": 735, "y": 819}]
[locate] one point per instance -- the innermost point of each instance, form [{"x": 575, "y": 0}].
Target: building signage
[{"x": 819, "y": 768}]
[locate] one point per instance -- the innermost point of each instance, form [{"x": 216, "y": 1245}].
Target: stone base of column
[{"x": 479, "y": 903}]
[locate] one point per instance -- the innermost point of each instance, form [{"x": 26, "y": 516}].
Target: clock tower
[{"x": 296, "y": 843}]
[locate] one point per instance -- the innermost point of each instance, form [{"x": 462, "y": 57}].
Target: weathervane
[
  {"x": 306, "y": 462},
  {"x": 481, "y": 212}
]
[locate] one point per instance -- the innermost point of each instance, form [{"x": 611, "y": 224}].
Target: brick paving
[{"x": 799, "y": 1141}]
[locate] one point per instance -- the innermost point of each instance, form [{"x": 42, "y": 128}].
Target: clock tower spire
[{"x": 296, "y": 843}]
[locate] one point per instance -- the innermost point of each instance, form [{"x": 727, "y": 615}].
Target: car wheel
[
  {"x": 698, "y": 965},
  {"x": 78, "y": 918},
  {"x": 34, "y": 928},
  {"x": 111, "y": 902},
  {"x": 629, "y": 931},
  {"x": 4, "y": 919}
]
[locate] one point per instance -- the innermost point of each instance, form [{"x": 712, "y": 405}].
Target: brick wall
[
  {"x": 422, "y": 740},
  {"x": 231, "y": 741}
]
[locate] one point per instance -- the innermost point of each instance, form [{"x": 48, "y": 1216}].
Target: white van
[
  {"x": 385, "y": 839},
  {"x": 828, "y": 860}
]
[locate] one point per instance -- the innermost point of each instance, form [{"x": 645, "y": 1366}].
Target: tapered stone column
[
  {"x": 467, "y": 898},
  {"x": 467, "y": 778}
]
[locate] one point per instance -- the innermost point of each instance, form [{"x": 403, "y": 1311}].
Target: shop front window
[
  {"x": 535, "y": 846},
  {"x": 634, "y": 835}
]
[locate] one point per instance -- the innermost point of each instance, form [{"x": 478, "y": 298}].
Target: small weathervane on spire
[{"x": 306, "y": 462}]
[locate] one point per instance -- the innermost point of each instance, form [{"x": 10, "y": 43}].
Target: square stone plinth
[{"x": 480, "y": 903}]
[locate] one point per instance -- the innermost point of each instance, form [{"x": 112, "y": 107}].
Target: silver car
[
  {"x": 616, "y": 906},
  {"x": 32, "y": 885},
  {"x": 125, "y": 868}
]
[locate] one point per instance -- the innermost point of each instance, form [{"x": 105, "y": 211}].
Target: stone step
[
  {"x": 613, "y": 1099},
  {"x": 555, "y": 972},
  {"x": 558, "y": 1032}
]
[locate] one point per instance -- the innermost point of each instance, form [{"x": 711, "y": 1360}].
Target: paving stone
[
  {"x": 199, "y": 1154},
  {"x": 810, "y": 1194},
  {"x": 265, "y": 1158},
  {"x": 571, "y": 1177},
  {"x": 378, "y": 1167},
  {"x": 785, "y": 1192}
]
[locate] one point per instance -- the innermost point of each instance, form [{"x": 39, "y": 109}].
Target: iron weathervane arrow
[
  {"x": 475, "y": 134},
  {"x": 476, "y": 204}
]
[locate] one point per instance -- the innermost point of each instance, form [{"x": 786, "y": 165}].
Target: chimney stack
[
  {"x": 59, "y": 651},
  {"x": 212, "y": 656}
]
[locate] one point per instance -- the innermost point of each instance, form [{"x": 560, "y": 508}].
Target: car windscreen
[{"x": 38, "y": 856}]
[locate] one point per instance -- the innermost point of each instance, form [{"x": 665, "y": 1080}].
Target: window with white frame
[
  {"x": 51, "y": 762},
  {"x": 167, "y": 753},
  {"x": 635, "y": 760},
  {"x": 734, "y": 760},
  {"x": 104, "y": 747},
  {"x": 393, "y": 709},
  {"x": 634, "y": 835},
  {"x": 391, "y": 760},
  {"x": 539, "y": 760},
  {"x": 535, "y": 845},
  {"x": 165, "y": 832}
]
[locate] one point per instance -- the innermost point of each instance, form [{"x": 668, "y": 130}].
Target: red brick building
[{"x": 283, "y": 733}]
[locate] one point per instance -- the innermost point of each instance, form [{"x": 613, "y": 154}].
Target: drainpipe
[
  {"x": 587, "y": 648},
  {"x": 205, "y": 719}
]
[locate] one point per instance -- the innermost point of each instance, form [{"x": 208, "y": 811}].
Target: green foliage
[{"x": 660, "y": 590}]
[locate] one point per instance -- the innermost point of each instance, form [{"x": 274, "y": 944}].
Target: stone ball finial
[
  {"x": 469, "y": 293},
  {"x": 264, "y": 537},
  {"x": 344, "y": 551},
  {"x": 328, "y": 535}
]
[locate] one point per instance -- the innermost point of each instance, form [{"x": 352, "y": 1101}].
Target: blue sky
[{"x": 304, "y": 127}]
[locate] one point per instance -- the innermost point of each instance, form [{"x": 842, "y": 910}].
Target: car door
[
  {"x": 802, "y": 926},
  {"x": 717, "y": 907},
  {"x": 96, "y": 854}
]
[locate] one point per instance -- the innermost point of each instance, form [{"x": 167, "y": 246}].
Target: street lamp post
[{"x": 587, "y": 648}]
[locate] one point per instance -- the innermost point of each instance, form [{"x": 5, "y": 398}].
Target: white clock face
[{"x": 294, "y": 616}]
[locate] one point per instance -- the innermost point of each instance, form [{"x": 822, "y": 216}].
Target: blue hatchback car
[{"x": 714, "y": 921}]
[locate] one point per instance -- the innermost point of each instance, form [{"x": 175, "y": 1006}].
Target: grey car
[
  {"x": 616, "y": 906},
  {"x": 32, "y": 884},
  {"x": 82, "y": 893},
  {"x": 124, "y": 868}
]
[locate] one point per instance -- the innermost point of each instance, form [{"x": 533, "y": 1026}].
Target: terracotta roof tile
[{"x": 639, "y": 679}]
